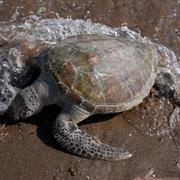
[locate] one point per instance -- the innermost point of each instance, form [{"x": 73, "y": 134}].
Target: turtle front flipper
[{"x": 76, "y": 141}]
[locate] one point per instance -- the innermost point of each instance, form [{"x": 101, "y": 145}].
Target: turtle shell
[{"x": 104, "y": 74}]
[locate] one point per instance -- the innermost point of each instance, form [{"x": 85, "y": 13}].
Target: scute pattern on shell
[{"x": 102, "y": 73}]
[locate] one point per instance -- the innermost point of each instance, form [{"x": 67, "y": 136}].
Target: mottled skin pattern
[{"x": 92, "y": 74}]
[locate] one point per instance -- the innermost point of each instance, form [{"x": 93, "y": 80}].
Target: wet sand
[{"x": 27, "y": 149}]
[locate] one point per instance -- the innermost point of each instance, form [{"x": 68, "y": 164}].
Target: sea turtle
[{"x": 95, "y": 74}]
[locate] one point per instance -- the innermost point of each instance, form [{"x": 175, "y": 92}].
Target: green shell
[{"x": 103, "y": 73}]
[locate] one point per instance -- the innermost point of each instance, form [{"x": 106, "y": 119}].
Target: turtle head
[
  {"x": 11, "y": 82},
  {"x": 16, "y": 72}
]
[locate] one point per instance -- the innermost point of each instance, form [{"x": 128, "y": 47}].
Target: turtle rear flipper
[{"x": 76, "y": 141}]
